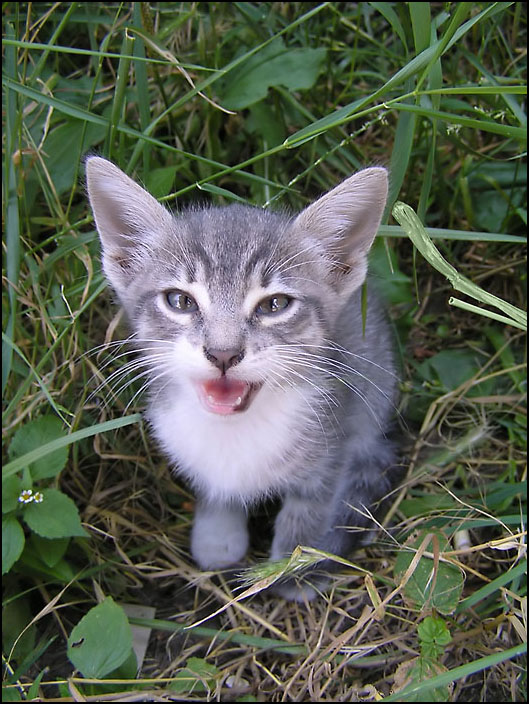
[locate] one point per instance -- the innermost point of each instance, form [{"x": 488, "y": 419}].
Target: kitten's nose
[{"x": 224, "y": 359}]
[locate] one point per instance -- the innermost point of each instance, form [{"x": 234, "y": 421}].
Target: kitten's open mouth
[{"x": 226, "y": 396}]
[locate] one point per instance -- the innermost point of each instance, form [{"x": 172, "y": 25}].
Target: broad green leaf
[
  {"x": 416, "y": 673},
  {"x": 388, "y": 280},
  {"x": 452, "y": 368},
  {"x": 12, "y": 542},
  {"x": 263, "y": 120},
  {"x": 56, "y": 516},
  {"x": 33, "y": 563},
  {"x": 11, "y": 487},
  {"x": 160, "y": 181},
  {"x": 424, "y": 589},
  {"x": 58, "y": 144},
  {"x": 33, "y": 435},
  {"x": 18, "y": 637},
  {"x": 198, "y": 676},
  {"x": 61, "y": 163},
  {"x": 434, "y": 636},
  {"x": 11, "y": 694},
  {"x": 50, "y": 550},
  {"x": 296, "y": 69},
  {"x": 101, "y": 641},
  {"x": 128, "y": 669}
]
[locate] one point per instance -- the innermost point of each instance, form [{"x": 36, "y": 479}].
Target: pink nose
[{"x": 224, "y": 359}]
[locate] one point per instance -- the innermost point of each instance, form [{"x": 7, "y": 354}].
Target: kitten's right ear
[
  {"x": 127, "y": 218},
  {"x": 345, "y": 222}
]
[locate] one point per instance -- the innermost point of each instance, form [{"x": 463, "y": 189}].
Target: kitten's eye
[
  {"x": 274, "y": 304},
  {"x": 180, "y": 301}
]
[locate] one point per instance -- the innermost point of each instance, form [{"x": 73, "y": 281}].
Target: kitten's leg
[
  {"x": 298, "y": 523},
  {"x": 220, "y": 535},
  {"x": 321, "y": 518}
]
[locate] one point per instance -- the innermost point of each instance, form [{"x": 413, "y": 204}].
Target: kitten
[{"x": 261, "y": 380}]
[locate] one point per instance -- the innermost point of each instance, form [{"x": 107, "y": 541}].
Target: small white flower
[{"x": 26, "y": 496}]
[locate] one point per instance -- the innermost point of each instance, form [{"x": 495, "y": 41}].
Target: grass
[{"x": 194, "y": 100}]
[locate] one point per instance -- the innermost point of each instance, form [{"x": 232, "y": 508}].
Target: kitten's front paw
[{"x": 219, "y": 538}]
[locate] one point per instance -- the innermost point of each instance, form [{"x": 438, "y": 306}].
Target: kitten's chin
[{"x": 226, "y": 396}]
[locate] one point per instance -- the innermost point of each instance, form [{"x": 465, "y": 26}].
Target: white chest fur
[{"x": 243, "y": 455}]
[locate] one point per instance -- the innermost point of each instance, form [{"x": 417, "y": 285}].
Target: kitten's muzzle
[{"x": 224, "y": 359}]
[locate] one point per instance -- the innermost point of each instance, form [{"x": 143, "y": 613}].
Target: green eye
[
  {"x": 180, "y": 301},
  {"x": 275, "y": 304}
]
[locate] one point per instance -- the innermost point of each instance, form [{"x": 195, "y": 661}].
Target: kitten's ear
[
  {"x": 127, "y": 217},
  {"x": 345, "y": 221}
]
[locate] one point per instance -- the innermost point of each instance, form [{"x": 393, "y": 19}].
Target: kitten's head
[{"x": 222, "y": 298}]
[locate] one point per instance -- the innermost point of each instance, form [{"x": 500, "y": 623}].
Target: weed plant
[{"x": 270, "y": 104}]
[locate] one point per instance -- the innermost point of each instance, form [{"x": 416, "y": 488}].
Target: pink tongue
[{"x": 224, "y": 395}]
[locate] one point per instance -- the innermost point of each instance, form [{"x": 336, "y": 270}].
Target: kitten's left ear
[
  {"x": 345, "y": 221},
  {"x": 128, "y": 219}
]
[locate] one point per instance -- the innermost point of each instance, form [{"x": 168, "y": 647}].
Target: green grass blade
[
  {"x": 142, "y": 84},
  {"x": 454, "y": 119},
  {"x": 232, "y": 636},
  {"x": 223, "y": 192},
  {"x": 387, "y": 11},
  {"x": 98, "y": 53},
  {"x": 400, "y": 157},
  {"x": 483, "y": 311},
  {"x": 35, "y": 74},
  {"x": 407, "y": 218},
  {"x": 25, "y": 460},
  {"x": 496, "y": 584},
  {"x": 461, "y": 10},
  {"x": 493, "y": 9},
  {"x": 118, "y": 103},
  {"x": 435, "y": 81},
  {"x": 448, "y": 234},
  {"x": 12, "y": 220},
  {"x": 495, "y": 89},
  {"x": 420, "y": 16}
]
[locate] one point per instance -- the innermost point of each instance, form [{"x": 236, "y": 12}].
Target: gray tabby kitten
[{"x": 261, "y": 382}]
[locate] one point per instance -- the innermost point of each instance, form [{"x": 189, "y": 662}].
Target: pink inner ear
[{"x": 345, "y": 220}]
